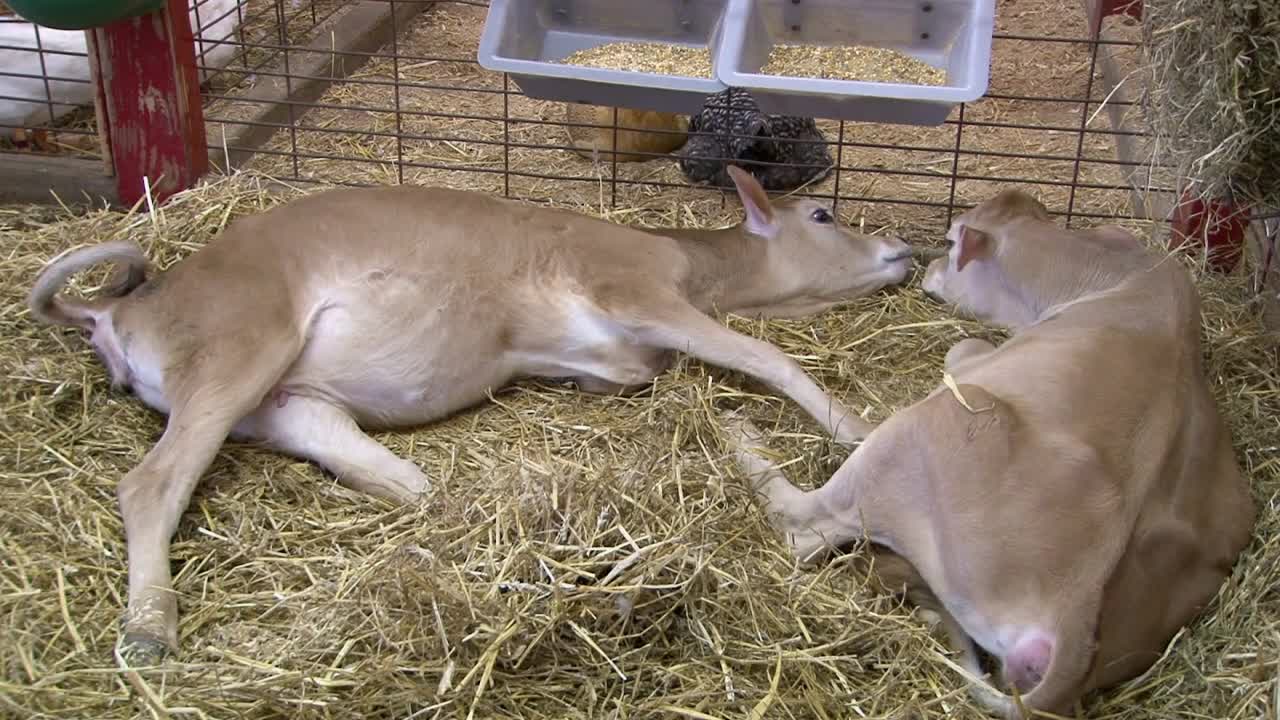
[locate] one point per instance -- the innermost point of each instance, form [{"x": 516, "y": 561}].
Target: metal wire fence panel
[
  {"x": 420, "y": 109},
  {"x": 46, "y": 86}
]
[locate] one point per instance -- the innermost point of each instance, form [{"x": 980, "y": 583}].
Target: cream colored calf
[
  {"x": 1072, "y": 498},
  {"x": 392, "y": 307}
]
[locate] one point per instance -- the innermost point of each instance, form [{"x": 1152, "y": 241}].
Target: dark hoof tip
[{"x": 143, "y": 650}]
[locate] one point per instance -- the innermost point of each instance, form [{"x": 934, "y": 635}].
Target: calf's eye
[{"x": 822, "y": 217}]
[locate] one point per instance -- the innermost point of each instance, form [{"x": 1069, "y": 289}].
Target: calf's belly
[
  {"x": 389, "y": 400},
  {"x": 403, "y": 371}
]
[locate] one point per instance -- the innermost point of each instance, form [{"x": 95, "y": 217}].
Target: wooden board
[
  {"x": 1264, "y": 247},
  {"x": 30, "y": 178}
]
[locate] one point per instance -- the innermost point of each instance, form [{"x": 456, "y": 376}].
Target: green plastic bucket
[{"x": 81, "y": 14}]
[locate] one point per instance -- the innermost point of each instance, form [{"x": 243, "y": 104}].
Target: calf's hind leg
[
  {"x": 632, "y": 361},
  {"x": 809, "y": 521},
  {"x": 319, "y": 431},
  {"x": 207, "y": 398},
  {"x": 964, "y": 351},
  {"x": 825, "y": 518}
]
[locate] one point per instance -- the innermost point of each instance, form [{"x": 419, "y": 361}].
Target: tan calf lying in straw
[
  {"x": 1072, "y": 498},
  {"x": 391, "y": 307}
]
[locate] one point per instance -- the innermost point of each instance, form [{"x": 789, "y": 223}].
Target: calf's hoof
[
  {"x": 141, "y": 650},
  {"x": 852, "y": 431},
  {"x": 808, "y": 546}
]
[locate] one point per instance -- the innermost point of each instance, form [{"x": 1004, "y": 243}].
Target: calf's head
[
  {"x": 812, "y": 260},
  {"x": 1007, "y": 262}
]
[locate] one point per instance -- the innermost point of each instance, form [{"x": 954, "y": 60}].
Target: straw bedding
[{"x": 581, "y": 557}]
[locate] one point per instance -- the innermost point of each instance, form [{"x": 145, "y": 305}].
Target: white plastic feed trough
[
  {"x": 526, "y": 37},
  {"x": 529, "y": 38}
]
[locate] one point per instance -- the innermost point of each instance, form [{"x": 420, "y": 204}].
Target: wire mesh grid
[
  {"x": 250, "y": 35},
  {"x": 44, "y": 85},
  {"x": 421, "y": 110},
  {"x": 46, "y": 90}
]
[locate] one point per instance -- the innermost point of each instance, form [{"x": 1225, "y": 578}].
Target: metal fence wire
[
  {"x": 46, "y": 91},
  {"x": 44, "y": 84},
  {"x": 1059, "y": 120}
]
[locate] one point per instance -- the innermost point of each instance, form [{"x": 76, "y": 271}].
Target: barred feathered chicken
[{"x": 731, "y": 129}]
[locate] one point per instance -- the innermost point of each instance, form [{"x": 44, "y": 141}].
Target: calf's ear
[
  {"x": 974, "y": 244},
  {"x": 755, "y": 201}
]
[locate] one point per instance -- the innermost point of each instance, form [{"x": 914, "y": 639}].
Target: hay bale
[
  {"x": 582, "y": 556},
  {"x": 1213, "y": 94}
]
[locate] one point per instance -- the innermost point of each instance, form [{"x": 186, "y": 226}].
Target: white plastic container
[
  {"x": 525, "y": 38},
  {"x": 954, "y": 35}
]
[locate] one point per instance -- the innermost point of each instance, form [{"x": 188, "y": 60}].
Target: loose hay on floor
[{"x": 581, "y": 556}]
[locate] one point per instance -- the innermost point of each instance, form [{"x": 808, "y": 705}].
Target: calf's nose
[{"x": 893, "y": 252}]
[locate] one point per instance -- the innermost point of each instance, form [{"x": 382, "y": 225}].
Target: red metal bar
[
  {"x": 1217, "y": 227},
  {"x": 146, "y": 70},
  {"x": 1106, "y": 8}
]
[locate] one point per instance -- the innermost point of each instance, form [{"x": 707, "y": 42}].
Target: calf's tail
[{"x": 48, "y": 308}]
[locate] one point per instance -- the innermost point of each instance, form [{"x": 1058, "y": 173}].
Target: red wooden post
[
  {"x": 1100, "y": 9},
  {"x": 149, "y": 91},
  {"x": 1217, "y": 227}
]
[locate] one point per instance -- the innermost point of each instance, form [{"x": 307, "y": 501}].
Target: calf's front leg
[
  {"x": 680, "y": 326},
  {"x": 807, "y": 519},
  {"x": 595, "y": 386},
  {"x": 627, "y": 360}
]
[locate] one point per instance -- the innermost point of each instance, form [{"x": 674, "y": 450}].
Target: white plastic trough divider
[
  {"x": 954, "y": 35},
  {"x": 525, "y": 37}
]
